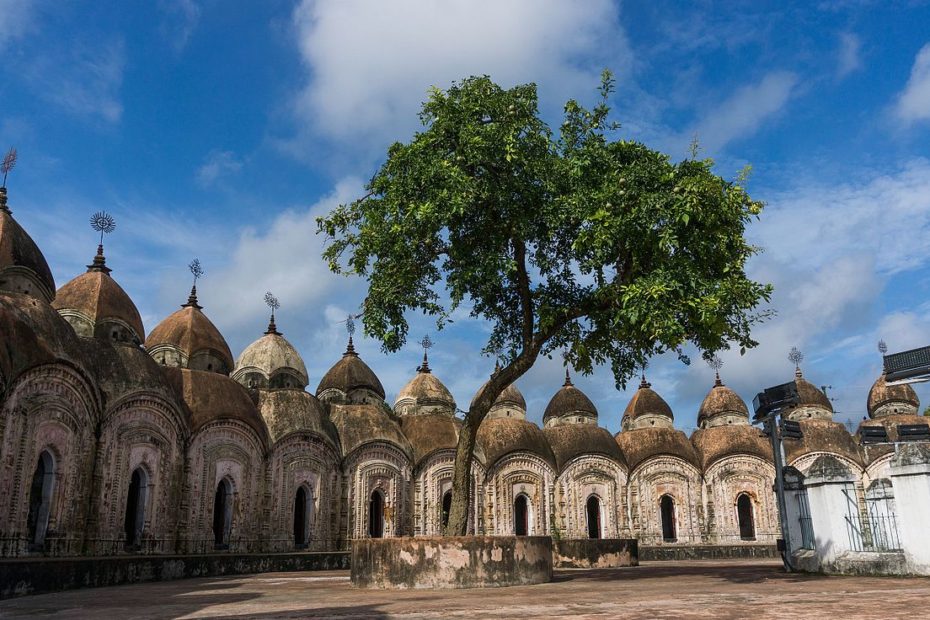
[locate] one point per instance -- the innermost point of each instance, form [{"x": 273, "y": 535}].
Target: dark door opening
[
  {"x": 446, "y": 509},
  {"x": 135, "y": 509},
  {"x": 594, "y": 517},
  {"x": 521, "y": 515},
  {"x": 376, "y": 515},
  {"x": 667, "y": 506},
  {"x": 747, "y": 526},
  {"x": 222, "y": 514},
  {"x": 300, "y": 518},
  {"x": 40, "y": 500}
]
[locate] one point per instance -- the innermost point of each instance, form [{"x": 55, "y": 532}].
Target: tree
[{"x": 575, "y": 241}]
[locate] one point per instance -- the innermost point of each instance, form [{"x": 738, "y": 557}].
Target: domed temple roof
[
  {"x": 430, "y": 433},
  {"x": 350, "y": 373},
  {"x": 721, "y": 400},
  {"x": 640, "y": 444},
  {"x": 809, "y": 395},
  {"x": 822, "y": 436},
  {"x": 646, "y": 403},
  {"x": 425, "y": 390},
  {"x": 883, "y": 394},
  {"x": 190, "y": 332},
  {"x": 211, "y": 397},
  {"x": 498, "y": 437},
  {"x": 295, "y": 411},
  {"x": 358, "y": 425},
  {"x": 717, "y": 442},
  {"x": 23, "y": 268},
  {"x": 275, "y": 360},
  {"x": 569, "y": 401},
  {"x": 569, "y": 441},
  {"x": 97, "y": 306},
  {"x": 33, "y": 334}
]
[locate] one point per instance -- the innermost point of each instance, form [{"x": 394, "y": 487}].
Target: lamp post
[{"x": 768, "y": 406}]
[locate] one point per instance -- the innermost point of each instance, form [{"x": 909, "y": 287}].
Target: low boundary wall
[
  {"x": 36, "y": 575},
  {"x": 652, "y": 553},
  {"x": 595, "y": 553},
  {"x": 451, "y": 561}
]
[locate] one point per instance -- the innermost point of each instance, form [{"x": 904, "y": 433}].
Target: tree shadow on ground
[{"x": 737, "y": 573}]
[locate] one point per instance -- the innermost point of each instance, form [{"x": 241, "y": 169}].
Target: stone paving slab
[{"x": 711, "y": 589}]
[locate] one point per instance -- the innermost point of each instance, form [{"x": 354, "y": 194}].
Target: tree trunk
[{"x": 465, "y": 449}]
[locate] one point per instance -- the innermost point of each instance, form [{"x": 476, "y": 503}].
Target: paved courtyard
[{"x": 725, "y": 589}]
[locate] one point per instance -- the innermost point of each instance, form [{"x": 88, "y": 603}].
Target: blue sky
[{"x": 221, "y": 130}]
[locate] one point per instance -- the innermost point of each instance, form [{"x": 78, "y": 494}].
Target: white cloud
[
  {"x": 182, "y": 17},
  {"x": 84, "y": 79},
  {"x": 812, "y": 226},
  {"x": 741, "y": 114},
  {"x": 914, "y": 102},
  {"x": 848, "y": 59},
  {"x": 16, "y": 21},
  {"x": 217, "y": 165},
  {"x": 371, "y": 63},
  {"x": 285, "y": 259}
]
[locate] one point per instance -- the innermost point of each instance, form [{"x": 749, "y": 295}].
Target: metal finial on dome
[
  {"x": 716, "y": 363},
  {"x": 796, "y": 357},
  {"x": 427, "y": 344},
  {"x": 882, "y": 347},
  {"x": 272, "y": 302},
  {"x": 350, "y": 329},
  {"x": 102, "y": 222},
  {"x": 9, "y": 161},
  {"x": 568, "y": 378},
  {"x": 196, "y": 270}
]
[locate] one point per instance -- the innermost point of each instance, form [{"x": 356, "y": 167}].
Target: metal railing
[{"x": 884, "y": 532}]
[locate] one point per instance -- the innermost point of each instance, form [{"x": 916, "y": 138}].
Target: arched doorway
[
  {"x": 40, "y": 499},
  {"x": 747, "y": 526},
  {"x": 521, "y": 516},
  {"x": 593, "y": 510},
  {"x": 667, "y": 507},
  {"x": 446, "y": 509},
  {"x": 302, "y": 509},
  {"x": 135, "y": 508},
  {"x": 376, "y": 515},
  {"x": 222, "y": 514}
]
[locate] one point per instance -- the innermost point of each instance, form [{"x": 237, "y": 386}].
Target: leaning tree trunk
[{"x": 465, "y": 449}]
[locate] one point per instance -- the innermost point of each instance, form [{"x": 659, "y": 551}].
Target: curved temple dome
[
  {"x": 350, "y": 381},
  {"x": 271, "y": 362},
  {"x": 97, "y": 306},
  {"x": 722, "y": 406},
  {"x": 23, "y": 268},
  {"x": 885, "y": 400},
  {"x": 647, "y": 410},
  {"x": 424, "y": 394},
  {"x": 188, "y": 339},
  {"x": 569, "y": 406}
]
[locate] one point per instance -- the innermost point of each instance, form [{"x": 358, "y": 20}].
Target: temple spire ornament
[
  {"x": 9, "y": 160},
  {"x": 102, "y": 222},
  {"x": 716, "y": 363},
  {"x": 427, "y": 344},
  {"x": 568, "y": 377},
  {"x": 796, "y": 357},
  {"x": 350, "y": 329},
  {"x": 196, "y": 270},
  {"x": 272, "y": 302}
]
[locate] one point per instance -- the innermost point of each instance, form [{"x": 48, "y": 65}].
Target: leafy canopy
[{"x": 577, "y": 240}]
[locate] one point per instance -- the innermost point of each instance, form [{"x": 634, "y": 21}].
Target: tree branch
[{"x": 523, "y": 288}]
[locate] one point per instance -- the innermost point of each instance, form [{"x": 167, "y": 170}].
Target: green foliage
[{"x": 576, "y": 240}]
